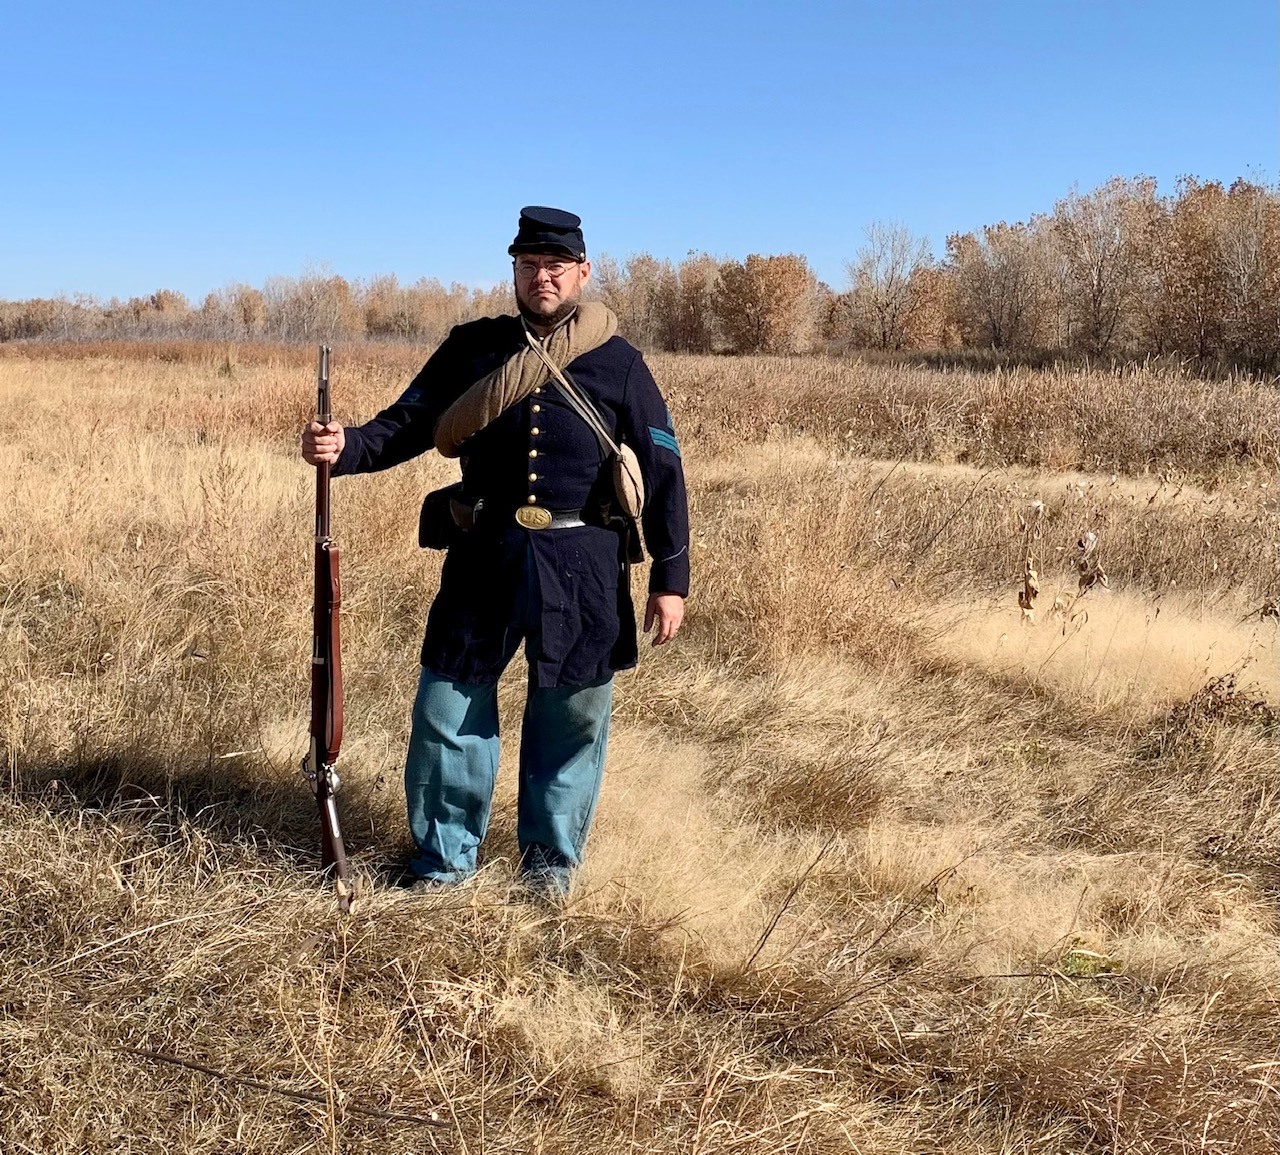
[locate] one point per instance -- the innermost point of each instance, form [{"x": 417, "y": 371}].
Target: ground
[{"x": 883, "y": 863}]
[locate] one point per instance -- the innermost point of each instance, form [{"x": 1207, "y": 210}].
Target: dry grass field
[{"x": 881, "y": 865}]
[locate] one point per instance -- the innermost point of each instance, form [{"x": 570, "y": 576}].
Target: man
[{"x": 545, "y": 561}]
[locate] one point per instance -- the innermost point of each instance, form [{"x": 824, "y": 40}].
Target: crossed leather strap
[
  {"x": 590, "y": 326},
  {"x": 512, "y": 381}
]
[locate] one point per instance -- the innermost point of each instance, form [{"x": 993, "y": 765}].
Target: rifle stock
[{"x": 326, "y": 669}]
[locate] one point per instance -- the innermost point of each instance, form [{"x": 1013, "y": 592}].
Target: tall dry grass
[
  {"x": 879, "y": 865},
  {"x": 1131, "y": 419}
]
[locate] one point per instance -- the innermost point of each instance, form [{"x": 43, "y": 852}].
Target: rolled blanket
[{"x": 512, "y": 381}]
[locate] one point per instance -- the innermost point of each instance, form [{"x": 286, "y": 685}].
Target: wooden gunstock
[{"x": 326, "y": 660}]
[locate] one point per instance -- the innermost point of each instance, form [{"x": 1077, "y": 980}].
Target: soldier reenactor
[{"x": 552, "y": 416}]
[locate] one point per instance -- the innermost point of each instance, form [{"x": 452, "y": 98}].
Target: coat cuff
[
  {"x": 670, "y": 576},
  {"x": 351, "y": 451}
]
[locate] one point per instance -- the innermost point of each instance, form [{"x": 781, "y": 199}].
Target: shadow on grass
[{"x": 245, "y": 802}]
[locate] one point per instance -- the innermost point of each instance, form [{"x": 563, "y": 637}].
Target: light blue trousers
[{"x": 452, "y": 767}]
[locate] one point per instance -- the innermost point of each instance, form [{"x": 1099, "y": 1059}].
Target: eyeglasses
[{"x": 556, "y": 269}]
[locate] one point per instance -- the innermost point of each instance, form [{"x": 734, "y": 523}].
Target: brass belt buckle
[{"x": 533, "y": 517}]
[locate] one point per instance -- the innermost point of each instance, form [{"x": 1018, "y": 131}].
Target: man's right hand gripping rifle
[{"x": 323, "y": 443}]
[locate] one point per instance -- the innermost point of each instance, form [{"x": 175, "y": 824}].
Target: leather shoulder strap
[{"x": 578, "y": 401}]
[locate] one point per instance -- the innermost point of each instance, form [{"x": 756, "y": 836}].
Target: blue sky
[{"x": 150, "y": 145}]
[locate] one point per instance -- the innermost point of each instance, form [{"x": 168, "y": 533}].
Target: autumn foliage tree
[
  {"x": 27, "y": 320},
  {"x": 237, "y": 311},
  {"x": 766, "y": 304},
  {"x": 1214, "y": 273}
]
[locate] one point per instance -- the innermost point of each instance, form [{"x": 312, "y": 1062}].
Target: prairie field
[{"x": 884, "y": 863}]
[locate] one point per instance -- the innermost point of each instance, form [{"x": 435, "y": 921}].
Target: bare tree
[
  {"x": 636, "y": 293},
  {"x": 1249, "y": 247},
  {"x": 881, "y": 277},
  {"x": 1102, "y": 238},
  {"x": 317, "y": 305},
  {"x": 687, "y": 300},
  {"x": 1000, "y": 284}
]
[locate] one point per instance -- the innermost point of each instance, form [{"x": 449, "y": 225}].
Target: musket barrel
[
  {"x": 322, "y": 387},
  {"x": 323, "y": 415},
  {"x": 326, "y": 665}
]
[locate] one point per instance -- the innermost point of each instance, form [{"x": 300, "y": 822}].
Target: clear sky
[{"x": 148, "y": 145}]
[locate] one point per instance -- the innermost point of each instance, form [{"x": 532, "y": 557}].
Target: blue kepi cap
[{"x": 544, "y": 230}]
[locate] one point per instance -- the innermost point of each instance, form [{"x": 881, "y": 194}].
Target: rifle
[{"x": 326, "y": 669}]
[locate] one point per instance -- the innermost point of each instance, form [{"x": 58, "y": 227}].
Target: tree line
[
  {"x": 313, "y": 306},
  {"x": 1117, "y": 271},
  {"x": 1120, "y": 270}
]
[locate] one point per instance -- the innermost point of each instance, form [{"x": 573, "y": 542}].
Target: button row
[{"x": 536, "y": 408}]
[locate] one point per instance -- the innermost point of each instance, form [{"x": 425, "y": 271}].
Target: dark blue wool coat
[{"x": 540, "y": 448}]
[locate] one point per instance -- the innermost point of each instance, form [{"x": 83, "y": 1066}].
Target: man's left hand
[{"x": 667, "y": 611}]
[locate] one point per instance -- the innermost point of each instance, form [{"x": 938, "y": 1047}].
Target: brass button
[
  {"x": 535, "y": 431},
  {"x": 532, "y": 498},
  {"x": 533, "y": 477},
  {"x": 538, "y": 389},
  {"x": 537, "y": 408},
  {"x": 533, "y": 453}
]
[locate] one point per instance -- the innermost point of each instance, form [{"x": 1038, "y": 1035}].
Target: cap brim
[{"x": 549, "y": 248}]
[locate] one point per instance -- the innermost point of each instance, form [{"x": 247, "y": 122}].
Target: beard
[{"x": 562, "y": 312}]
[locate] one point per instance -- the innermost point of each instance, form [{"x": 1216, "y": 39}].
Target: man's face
[{"x": 549, "y": 287}]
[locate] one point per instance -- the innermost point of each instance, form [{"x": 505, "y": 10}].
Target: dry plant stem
[
  {"x": 66, "y": 964},
  {"x": 325, "y": 1100},
  {"x": 924, "y": 549},
  {"x": 792, "y": 891}
]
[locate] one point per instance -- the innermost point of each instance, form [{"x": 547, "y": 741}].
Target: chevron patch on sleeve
[{"x": 664, "y": 439}]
